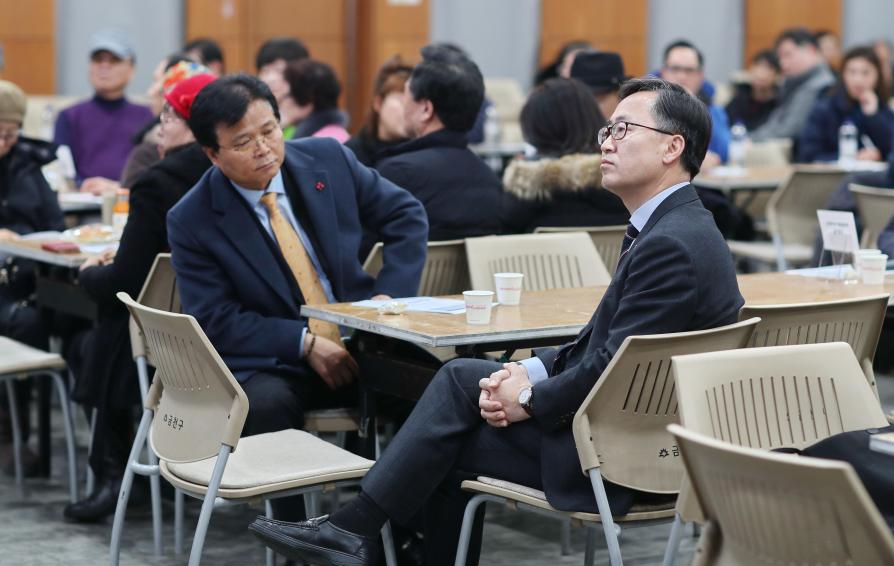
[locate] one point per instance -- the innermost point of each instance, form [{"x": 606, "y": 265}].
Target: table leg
[{"x": 43, "y": 425}]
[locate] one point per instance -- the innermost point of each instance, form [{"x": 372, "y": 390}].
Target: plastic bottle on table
[
  {"x": 120, "y": 210},
  {"x": 847, "y": 143},
  {"x": 738, "y": 144}
]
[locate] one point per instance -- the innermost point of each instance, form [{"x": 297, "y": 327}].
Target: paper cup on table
[
  {"x": 478, "y": 306},
  {"x": 872, "y": 268},
  {"x": 860, "y": 254},
  {"x": 509, "y": 287}
]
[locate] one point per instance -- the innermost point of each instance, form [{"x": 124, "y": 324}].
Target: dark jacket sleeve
[
  {"x": 886, "y": 239},
  {"x": 517, "y": 215},
  {"x": 399, "y": 220},
  {"x": 143, "y": 238},
  {"x": 50, "y": 211},
  {"x": 207, "y": 293},
  {"x": 880, "y": 128},
  {"x": 660, "y": 294},
  {"x": 819, "y": 138}
]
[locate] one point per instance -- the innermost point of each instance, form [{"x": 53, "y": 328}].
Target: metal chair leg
[
  {"x": 178, "y": 521},
  {"x": 388, "y": 544},
  {"x": 16, "y": 435},
  {"x": 155, "y": 492},
  {"x": 565, "y": 537},
  {"x": 198, "y": 541},
  {"x": 673, "y": 542},
  {"x": 271, "y": 557},
  {"x": 465, "y": 535},
  {"x": 590, "y": 548},
  {"x": 91, "y": 477},
  {"x": 69, "y": 435},
  {"x": 605, "y": 515},
  {"x": 126, "y": 484}
]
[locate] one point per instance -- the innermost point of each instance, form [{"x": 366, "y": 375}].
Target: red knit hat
[{"x": 181, "y": 96}]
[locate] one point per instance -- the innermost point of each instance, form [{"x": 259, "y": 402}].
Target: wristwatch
[{"x": 526, "y": 400}]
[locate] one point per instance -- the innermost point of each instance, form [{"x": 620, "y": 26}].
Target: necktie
[
  {"x": 302, "y": 267},
  {"x": 629, "y": 237}
]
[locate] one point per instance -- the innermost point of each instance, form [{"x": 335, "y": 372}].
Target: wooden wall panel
[
  {"x": 610, "y": 25},
  {"x": 225, "y": 21},
  {"x": 27, "y": 37},
  {"x": 765, "y": 19}
]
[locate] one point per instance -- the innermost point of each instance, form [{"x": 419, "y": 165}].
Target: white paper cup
[
  {"x": 872, "y": 268},
  {"x": 509, "y": 287},
  {"x": 478, "y": 306},
  {"x": 860, "y": 254}
]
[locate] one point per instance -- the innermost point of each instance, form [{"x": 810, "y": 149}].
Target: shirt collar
[
  {"x": 642, "y": 214},
  {"x": 253, "y": 197}
]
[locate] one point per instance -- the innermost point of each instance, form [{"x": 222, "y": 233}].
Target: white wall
[
  {"x": 863, "y": 21},
  {"x": 714, "y": 26},
  {"x": 502, "y": 36},
  {"x": 155, "y": 28}
]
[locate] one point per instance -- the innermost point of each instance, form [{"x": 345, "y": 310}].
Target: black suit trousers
[{"x": 443, "y": 442}]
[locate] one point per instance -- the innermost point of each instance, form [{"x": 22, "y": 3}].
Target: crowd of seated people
[{"x": 255, "y": 182}]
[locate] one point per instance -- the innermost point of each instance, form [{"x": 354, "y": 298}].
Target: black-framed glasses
[{"x": 619, "y": 129}]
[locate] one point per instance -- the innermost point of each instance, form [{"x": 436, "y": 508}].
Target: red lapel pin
[{"x": 320, "y": 185}]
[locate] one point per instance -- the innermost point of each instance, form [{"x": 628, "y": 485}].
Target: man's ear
[
  {"x": 428, "y": 110},
  {"x": 210, "y": 154},
  {"x": 674, "y": 149}
]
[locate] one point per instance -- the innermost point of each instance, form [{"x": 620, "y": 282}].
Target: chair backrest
[
  {"x": 446, "y": 271},
  {"x": 791, "y": 210},
  {"x": 159, "y": 292},
  {"x": 766, "y": 508},
  {"x": 770, "y": 153},
  {"x": 549, "y": 261},
  {"x": 507, "y": 95},
  {"x": 607, "y": 239},
  {"x": 197, "y": 402},
  {"x": 621, "y": 427},
  {"x": 876, "y": 208},
  {"x": 855, "y": 321}
]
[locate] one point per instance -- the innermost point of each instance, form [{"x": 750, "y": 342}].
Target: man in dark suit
[
  {"x": 674, "y": 274},
  {"x": 461, "y": 194},
  {"x": 275, "y": 225}
]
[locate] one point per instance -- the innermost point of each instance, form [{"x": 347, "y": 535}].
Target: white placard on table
[{"x": 839, "y": 230}]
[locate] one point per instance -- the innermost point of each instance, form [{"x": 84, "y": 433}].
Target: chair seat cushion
[
  {"x": 536, "y": 498},
  {"x": 766, "y": 251},
  {"x": 339, "y": 419},
  {"x": 265, "y": 463},
  {"x": 16, "y": 357}
]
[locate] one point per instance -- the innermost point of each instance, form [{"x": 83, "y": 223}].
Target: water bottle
[
  {"x": 491, "y": 126},
  {"x": 47, "y": 122},
  {"x": 847, "y": 143},
  {"x": 738, "y": 144}
]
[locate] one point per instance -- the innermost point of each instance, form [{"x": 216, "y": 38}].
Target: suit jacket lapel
[
  {"x": 317, "y": 198},
  {"x": 238, "y": 226}
]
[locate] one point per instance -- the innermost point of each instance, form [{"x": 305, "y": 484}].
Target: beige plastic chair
[
  {"x": 620, "y": 434},
  {"x": 766, "y": 508},
  {"x": 19, "y": 361},
  {"x": 791, "y": 219},
  {"x": 876, "y": 208},
  {"x": 549, "y": 261},
  {"x": 201, "y": 410},
  {"x": 446, "y": 271},
  {"x": 769, "y": 153},
  {"x": 855, "y": 321},
  {"x": 774, "y": 397},
  {"x": 607, "y": 239}
]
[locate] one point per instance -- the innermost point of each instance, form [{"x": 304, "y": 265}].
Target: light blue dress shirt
[
  {"x": 253, "y": 198},
  {"x": 536, "y": 370}
]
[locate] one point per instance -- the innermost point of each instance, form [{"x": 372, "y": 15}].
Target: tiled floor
[{"x": 32, "y": 530}]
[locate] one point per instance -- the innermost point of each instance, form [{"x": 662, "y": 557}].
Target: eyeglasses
[
  {"x": 268, "y": 137},
  {"x": 619, "y": 129},
  {"x": 9, "y": 135},
  {"x": 679, "y": 69},
  {"x": 168, "y": 115}
]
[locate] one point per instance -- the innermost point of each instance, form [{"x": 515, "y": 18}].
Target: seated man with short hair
[
  {"x": 513, "y": 422},
  {"x": 273, "y": 226}
]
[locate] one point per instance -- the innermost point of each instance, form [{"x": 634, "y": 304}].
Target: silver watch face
[{"x": 524, "y": 396}]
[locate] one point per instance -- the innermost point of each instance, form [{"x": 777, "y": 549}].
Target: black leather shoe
[
  {"x": 317, "y": 541},
  {"x": 99, "y": 505}
]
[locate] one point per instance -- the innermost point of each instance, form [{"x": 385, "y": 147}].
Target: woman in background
[
  {"x": 562, "y": 184},
  {"x": 384, "y": 124},
  {"x": 861, "y": 98},
  {"x": 315, "y": 90}
]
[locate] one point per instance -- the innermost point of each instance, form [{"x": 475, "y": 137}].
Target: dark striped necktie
[{"x": 629, "y": 237}]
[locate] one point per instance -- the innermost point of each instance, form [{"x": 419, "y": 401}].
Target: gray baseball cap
[{"x": 114, "y": 41}]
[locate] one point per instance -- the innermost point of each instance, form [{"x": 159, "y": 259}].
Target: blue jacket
[
  {"x": 720, "y": 133},
  {"x": 819, "y": 138},
  {"x": 234, "y": 280}
]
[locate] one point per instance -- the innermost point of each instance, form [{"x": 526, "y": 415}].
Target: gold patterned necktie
[{"x": 302, "y": 267}]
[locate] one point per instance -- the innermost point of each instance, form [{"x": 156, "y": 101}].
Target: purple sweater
[{"x": 100, "y": 134}]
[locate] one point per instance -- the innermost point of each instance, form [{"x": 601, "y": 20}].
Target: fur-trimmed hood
[{"x": 538, "y": 180}]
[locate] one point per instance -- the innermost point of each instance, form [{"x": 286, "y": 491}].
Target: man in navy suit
[
  {"x": 235, "y": 236},
  {"x": 513, "y": 421}
]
